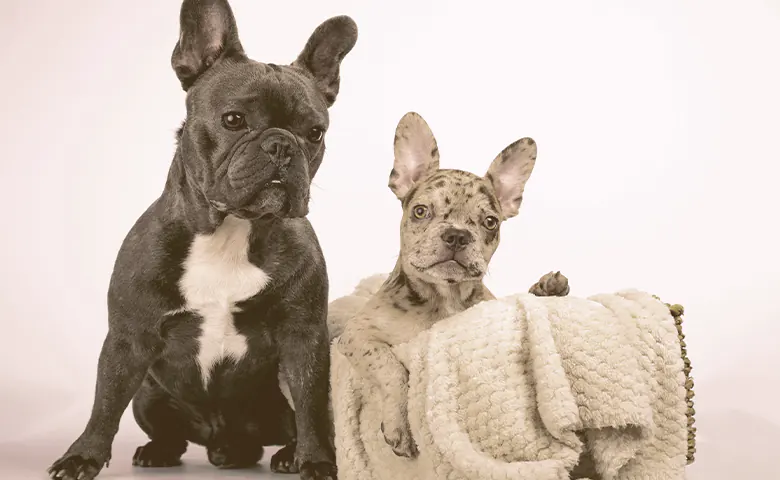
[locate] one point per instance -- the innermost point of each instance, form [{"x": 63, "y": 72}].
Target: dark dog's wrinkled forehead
[
  {"x": 454, "y": 194},
  {"x": 283, "y": 96},
  {"x": 253, "y": 138},
  {"x": 211, "y": 64}
]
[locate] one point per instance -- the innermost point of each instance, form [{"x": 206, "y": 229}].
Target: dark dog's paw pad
[
  {"x": 230, "y": 456},
  {"x": 553, "y": 284},
  {"x": 156, "y": 455},
  {"x": 74, "y": 467},
  {"x": 318, "y": 471},
  {"x": 283, "y": 461}
]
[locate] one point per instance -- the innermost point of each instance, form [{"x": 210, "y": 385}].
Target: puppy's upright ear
[
  {"x": 208, "y": 33},
  {"x": 509, "y": 172},
  {"x": 325, "y": 50},
  {"x": 416, "y": 154}
]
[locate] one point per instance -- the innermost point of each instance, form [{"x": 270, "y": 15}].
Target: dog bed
[{"x": 525, "y": 387}]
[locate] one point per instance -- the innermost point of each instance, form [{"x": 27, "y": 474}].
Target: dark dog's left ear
[
  {"x": 325, "y": 50},
  {"x": 208, "y": 33},
  {"x": 509, "y": 173}
]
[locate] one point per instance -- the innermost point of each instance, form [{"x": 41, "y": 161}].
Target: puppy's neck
[{"x": 437, "y": 301}]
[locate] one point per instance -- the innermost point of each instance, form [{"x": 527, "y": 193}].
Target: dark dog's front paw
[
  {"x": 553, "y": 284},
  {"x": 283, "y": 461},
  {"x": 159, "y": 454},
  {"x": 235, "y": 456},
  {"x": 318, "y": 471},
  {"x": 75, "y": 467}
]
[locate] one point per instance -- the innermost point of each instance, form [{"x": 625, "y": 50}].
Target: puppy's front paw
[
  {"x": 318, "y": 471},
  {"x": 553, "y": 284},
  {"x": 76, "y": 466},
  {"x": 399, "y": 436}
]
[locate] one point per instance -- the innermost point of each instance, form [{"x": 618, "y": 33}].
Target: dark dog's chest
[
  {"x": 202, "y": 362},
  {"x": 216, "y": 333}
]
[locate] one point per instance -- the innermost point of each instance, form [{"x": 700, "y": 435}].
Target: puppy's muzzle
[{"x": 456, "y": 239}]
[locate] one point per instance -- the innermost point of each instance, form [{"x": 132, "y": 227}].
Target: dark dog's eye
[
  {"x": 490, "y": 223},
  {"x": 234, "y": 121},
  {"x": 420, "y": 211},
  {"x": 315, "y": 134}
]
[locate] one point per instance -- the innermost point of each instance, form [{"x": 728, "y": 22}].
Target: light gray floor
[
  {"x": 731, "y": 445},
  {"x": 29, "y": 462}
]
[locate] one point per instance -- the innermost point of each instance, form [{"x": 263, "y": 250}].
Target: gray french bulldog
[{"x": 218, "y": 300}]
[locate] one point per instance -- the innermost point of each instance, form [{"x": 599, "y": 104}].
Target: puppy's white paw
[
  {"x": 398, "y": 435},
  {"x": 553, "y": 284}
]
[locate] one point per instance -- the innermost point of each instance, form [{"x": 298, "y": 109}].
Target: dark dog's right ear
[
  {"x": 208, "y": 33},
  {"x": 325, "y": 50}
]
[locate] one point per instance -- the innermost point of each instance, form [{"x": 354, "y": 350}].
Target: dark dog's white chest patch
[{"x": 218, "y": 275}]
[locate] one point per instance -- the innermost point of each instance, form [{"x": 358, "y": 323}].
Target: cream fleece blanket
[{"x": 525, "y": 387}]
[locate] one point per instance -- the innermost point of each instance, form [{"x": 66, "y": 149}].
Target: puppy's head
[
  {"x": 451, "y": 218},
  {"x": 254, "y": 134}
]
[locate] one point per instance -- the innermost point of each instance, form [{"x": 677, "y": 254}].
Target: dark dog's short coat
[{"x": 220, "y": 287}]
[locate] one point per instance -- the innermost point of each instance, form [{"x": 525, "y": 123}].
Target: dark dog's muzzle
[{"x": 265, "y": 173}]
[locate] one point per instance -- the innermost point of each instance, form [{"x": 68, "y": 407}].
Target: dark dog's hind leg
[
  {"x": 283, "y": 461},
  {"x": 239, "y": 454},
  {"x": 164, "y": 424}
]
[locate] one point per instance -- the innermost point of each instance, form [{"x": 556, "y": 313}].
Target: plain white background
[{"x": 657, "y": 124}]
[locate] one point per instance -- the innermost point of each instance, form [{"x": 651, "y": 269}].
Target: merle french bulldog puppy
[
  {"x": 449, "y": 232},
  {"x": 217, "y": 302}
]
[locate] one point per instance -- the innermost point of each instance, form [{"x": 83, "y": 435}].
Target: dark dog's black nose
[
  {"x": 278, "y": 148},
  {"x": 456, "y": 239}
]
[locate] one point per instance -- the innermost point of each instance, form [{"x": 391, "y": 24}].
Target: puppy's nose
[
  {"x": 456, "y": 239},
  {"x": 278, "y": 148}
]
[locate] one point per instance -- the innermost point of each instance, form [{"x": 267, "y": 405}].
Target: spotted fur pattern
[
  {"x": 451, "y": 199},
  {"x": 450, "y": 229}
]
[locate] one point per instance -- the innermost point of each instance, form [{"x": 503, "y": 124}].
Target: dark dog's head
[
  {"x": 451, "y": 218},
  {"x": 254, "y": 134}
]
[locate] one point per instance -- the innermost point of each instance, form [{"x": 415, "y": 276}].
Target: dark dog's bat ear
[
  {"x": 208, "y": 33},
  {"x": 325, "y": 50}
]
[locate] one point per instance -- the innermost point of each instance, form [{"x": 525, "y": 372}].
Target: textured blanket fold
[{"x": 526, "y": 388}]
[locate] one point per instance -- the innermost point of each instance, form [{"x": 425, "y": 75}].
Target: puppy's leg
[
  {"x": 553, "y": 284},
  {"x": 304, "y": 352},
  {"x": 124, "y": 360},
  {"x": 375, "y": 361},
  {"x": 155, "y": 413}
]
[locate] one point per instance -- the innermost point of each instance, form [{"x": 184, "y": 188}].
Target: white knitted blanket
[{"x": 525, "y": 387}]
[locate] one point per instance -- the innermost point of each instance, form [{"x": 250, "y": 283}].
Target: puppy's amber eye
[
  {"x": 234, "y": 121},
  {"x": 315, "y": 135},
  {"x": 490, "y": 223},
  {"x": 420, "y": 211}
]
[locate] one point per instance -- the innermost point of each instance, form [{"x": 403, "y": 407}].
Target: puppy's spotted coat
[{"x": 449, "y": 232}]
